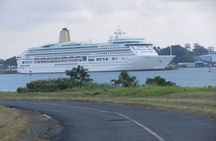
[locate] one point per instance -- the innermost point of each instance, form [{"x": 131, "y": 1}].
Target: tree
[
  {"x": 125, "y": 80},
  {"x": 157, "y": 49},
  {"x": 182, "y": 54},
  {"x": 79, "y": 76},
  {"x": 200, "y": 51}
]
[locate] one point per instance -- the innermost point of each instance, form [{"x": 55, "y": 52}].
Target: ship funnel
[{"x": 64, "y": 35}]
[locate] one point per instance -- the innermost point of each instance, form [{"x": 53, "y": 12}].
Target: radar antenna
[{"x": 119, "y": 33}]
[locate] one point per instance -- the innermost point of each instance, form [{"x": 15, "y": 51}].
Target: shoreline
[{"x": 9, "y": 73}]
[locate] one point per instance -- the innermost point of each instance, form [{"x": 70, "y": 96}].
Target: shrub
[
  {"x": 125, "y": 80},
  {"x": 42, "y": 86},
  {"x": 159, "y": 81},
  {"x": 79, "y": 77},
  {"x": 21, "y": 90}
]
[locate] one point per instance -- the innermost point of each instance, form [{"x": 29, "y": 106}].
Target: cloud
[
  {"x": 163, "y": 22},
  {"x": 21, "y": 15}
]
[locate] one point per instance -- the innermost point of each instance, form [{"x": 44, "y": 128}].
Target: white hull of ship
[{"x": 132, "y": 63}]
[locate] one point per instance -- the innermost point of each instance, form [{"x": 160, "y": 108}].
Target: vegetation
[
  {"x": 12, "y": 124},
  {"x": 79, "y": 76},
  {"x": 159, "y": 81},
  {"x": 51, "y": 85},
  {"x": 200, "y": 51},
  {"x": 125, "y": 80}
]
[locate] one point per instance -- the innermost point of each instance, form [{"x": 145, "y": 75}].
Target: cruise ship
[{"x": 118, "y": 54}]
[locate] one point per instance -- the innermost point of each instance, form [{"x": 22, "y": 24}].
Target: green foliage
[
  {"x": 63, "y": 84},
  {"x": 103, "y": 92},
  {"x": 92, "y": 85},
  {"x": 21, "y": 90},
  {"x": 51, "y": 85},
  {"x": 200, "y": 51},
  {"x": 79, "y": 76},
  {"x": 42, "y": 86},
  {"x": 159, "y": 81},
  {"x": 125, "y": 80}
]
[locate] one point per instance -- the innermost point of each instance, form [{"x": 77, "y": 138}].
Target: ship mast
[{"x": 119, "y": 33}]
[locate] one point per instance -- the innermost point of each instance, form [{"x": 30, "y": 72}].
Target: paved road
[{"x": 104, "y": 122}]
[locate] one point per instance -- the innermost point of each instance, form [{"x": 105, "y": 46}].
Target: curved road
[{"x": 104, "y": 122}]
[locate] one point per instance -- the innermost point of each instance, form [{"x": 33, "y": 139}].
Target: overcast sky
[{"x": 31, "y": 23}]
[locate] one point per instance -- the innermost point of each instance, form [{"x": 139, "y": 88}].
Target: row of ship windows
[
  {"x": 70, "y": 59},
  {"x": 81, "y": 48},
  {"x": 96, "y": 52},
  {"x": 102, "y": 53},
  {"x": 103, "y": 59}
]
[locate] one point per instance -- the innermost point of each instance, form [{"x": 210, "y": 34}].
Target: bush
[
  {"x": 79, "y": 77},
  {"x": 159, "y": 81},
  {"x": 125, "y": 80},
  {"x": 42, "y": 86},
  {"x": 21, "y": 90}
]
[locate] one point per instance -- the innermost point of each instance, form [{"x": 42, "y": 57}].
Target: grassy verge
[
  {"x": 12, "y": 124},
  {"x": 201, "y": 101}
]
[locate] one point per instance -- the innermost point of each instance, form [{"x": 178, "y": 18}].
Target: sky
[{"x": 32, "y": 23}]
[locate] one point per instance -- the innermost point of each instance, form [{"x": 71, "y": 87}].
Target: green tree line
[{"x": 80, "y": 78}]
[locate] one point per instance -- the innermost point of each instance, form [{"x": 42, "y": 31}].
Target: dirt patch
[{"x": 41, "y": 128}]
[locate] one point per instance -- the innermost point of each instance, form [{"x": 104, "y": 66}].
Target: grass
[
  {"x": 201, "y": 101},
  {"x": 12, "y": 124}
]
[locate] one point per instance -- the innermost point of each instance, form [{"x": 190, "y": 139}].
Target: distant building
[
  {"x": 209, "y": 58},
  {"x": 185, "y": 65},
  {"x": 200, "y": 64},
  {"x": 196, "y": 45},
  {"x": 188, "y": 47},
  {"x": 196, "y": 64},
  {"x": 11, "y": 68}
]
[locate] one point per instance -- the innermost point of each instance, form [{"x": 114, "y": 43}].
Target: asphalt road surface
[{"x": 104, "y": 122}]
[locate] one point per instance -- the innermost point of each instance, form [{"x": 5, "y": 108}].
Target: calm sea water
[{"x": 190, "y": 77}]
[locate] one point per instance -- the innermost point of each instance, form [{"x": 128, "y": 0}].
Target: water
[{"x": 190, "y": 77}]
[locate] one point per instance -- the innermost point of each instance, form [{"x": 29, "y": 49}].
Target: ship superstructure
[{"x": 117, "y": 54}]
